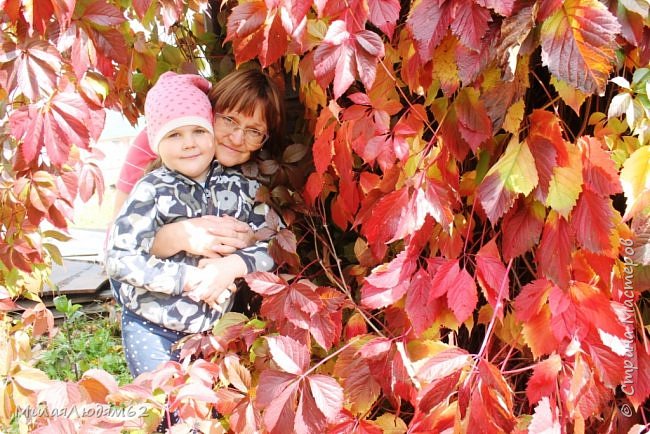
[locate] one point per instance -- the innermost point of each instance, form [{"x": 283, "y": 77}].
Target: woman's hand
[{"x": 208, "y": 236}]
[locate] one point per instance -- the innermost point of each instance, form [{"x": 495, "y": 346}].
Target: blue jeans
[{"x": 146, "y": 345}]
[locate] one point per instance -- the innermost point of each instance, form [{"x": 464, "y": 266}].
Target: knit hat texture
[{"x": 176, "y": 100}]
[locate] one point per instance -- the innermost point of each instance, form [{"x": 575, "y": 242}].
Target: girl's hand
[
  {"x": 208, "y": 236},
  {"x": 214, "y": 280}
]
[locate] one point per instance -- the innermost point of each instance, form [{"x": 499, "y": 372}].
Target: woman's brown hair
[{"x": 246, "y": 89}]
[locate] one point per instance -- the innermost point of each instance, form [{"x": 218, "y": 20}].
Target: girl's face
[
  {"x": 237, "y": 136},
  {"x": 188, "y": 150}
]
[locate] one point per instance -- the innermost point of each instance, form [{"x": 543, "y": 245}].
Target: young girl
[{"x": 165, "y": 299}]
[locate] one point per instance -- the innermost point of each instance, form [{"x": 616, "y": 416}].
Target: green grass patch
[{"x": 84, "y": 341}]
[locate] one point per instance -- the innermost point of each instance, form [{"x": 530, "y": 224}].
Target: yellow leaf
[
  {"x": 516, "y": 168},
  {"x": 314, "y": 96},
  {"x": 29, "y": 378},
  {"x": 514, "y": 116},
  {"x": 391, "y": 424},
  {"x": 635, "y": 179},
  {"x": 7, "y": 404},
  {"x": 566, "y": 183},
  {"x": 570, "y": 95},
  {"x": 445, "y": 68}
]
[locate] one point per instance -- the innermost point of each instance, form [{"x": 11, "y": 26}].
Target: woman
[{"x": 248, "y": 112}]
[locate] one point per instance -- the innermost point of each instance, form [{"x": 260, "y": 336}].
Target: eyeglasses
[{"x": 252, "y": 136}]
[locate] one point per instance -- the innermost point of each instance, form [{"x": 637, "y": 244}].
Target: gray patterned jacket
[{"x": 152, "y": 287}]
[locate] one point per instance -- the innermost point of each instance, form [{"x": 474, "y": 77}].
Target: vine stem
[
  {"x": 342, "y": 284},
  {"x": 325, "y": 359},
  {"x": 488, "y": 334}
]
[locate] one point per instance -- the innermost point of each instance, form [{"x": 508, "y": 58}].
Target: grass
[{"x": 84, "y": 342}]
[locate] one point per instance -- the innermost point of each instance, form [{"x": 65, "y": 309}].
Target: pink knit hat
[{"x": 176, "y": 100}]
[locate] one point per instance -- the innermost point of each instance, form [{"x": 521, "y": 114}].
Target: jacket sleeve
[
  {"x": 256, "y": 257},
  {"x": 128, "y": 257}
]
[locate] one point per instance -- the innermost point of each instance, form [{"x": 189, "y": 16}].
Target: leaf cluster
[{"x": 466, "y": 187}]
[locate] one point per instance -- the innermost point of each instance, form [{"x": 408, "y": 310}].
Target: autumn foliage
[{"x": 467, "y": 188}]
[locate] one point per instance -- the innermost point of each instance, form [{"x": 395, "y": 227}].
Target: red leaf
[
  {"x": 313, "y": 188},
  {"x": 110, "y": 44},
  {"x": 141, "y": 7},
  {"x": 421, "y": 307},
  {"x": 578, "y": 42},
  {"x": 462, "y": 299},
  {"x": 194, "y": 392},
  {"x": 545, "y": 419},
  {"x": 67, "y": 184},
  {"x": 103, "y": 14},
  {"x": 323, "y": 148},
  {"x": 544, "y": 140},
  {"x": 474, "y": 124},
  {"x": 554, "y": 251},
  {"x": 323, "y": 330},
  {"x": 388, "y": 282},
  {"x": 437, "y": 391},
  {"x": 276, "y": 395},
  {"x": 543, "y": 382},
  {"x": 290, "y": 355},
  {"x": 598, "y": 168},
  {"x": 40, "y": 317},
  {"x": 443, "y": 364},
  {"x": 90, "y": 181},
  {"x": 470, "y": 24},
  {"x": 368, "y": 49},
  {"x": 563, "y": 316},
  {"x": 33, "y": 65},
  {"x": 297, "y": 304},
  {"x": 27, "y": 125},
  {"x": 547, "y": 8},
  {"x": 275, "y": 41},
  {"x": 360, "y": 387},
  {"x": 531, "y": 299},
  {"x": 38, "y": 15},
  {"x": 608, "y": 365},
  {"x": 640, "y": 373},
  {"x": 384, "y": 14},
  {"x": 308, "y": 418},
  {"x": 246, "y": 19},
  {"x": 501, "y": 7},
  {"x": 342, "y": 53},
  {"x": 383, "y": 224},
  {"x": 538, "y": 333},
  {"x": 459, "y": 287},
  {"x": 60, "y": 213},
  {"x": 491, "y": 275},
  {"x": 522, "y": 227},
  {"x": 6, "y": 303},
  {"x": 346, "y": 424},
  {"x": 328, "y": 395},
  {"x": 355, "y": 326},
  {"x": 265, "y": 283},
  {"x": 428, "y": 22},
  {"x": 71, "y": 115},
  {"x": 592, "y": 221},
  {"x": 434, "y": 200}
]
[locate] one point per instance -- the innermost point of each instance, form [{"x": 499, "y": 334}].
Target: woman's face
[{"x": 237, "y": 136}]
